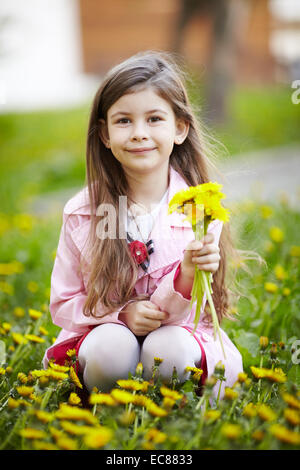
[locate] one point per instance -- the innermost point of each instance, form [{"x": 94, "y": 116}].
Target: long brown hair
[{"x": 113, "y": 272}]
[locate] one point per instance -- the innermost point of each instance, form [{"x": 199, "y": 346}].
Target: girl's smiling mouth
[{"x": 141, "y": 150}]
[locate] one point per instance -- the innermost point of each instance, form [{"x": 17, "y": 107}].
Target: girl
[{"x": 123, "y": 296}]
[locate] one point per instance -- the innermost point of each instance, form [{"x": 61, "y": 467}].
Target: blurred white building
[{"x": 40, "y": 55}]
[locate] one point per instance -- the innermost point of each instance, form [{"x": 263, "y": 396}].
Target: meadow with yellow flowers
[{"x": 49, "y": 409}]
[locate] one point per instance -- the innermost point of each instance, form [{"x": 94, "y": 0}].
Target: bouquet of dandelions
[{"x": 201, "y": 204}]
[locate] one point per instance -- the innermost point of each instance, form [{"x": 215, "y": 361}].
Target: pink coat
[{"x": 170, "y": 235}]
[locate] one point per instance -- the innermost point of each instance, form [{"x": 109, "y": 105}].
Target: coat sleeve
[
  {"x": 167, "y": 298},
  {"x": 68, "y": 294}
]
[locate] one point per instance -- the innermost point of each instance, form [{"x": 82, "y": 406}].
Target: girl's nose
[{"x": 139, "y": 133}]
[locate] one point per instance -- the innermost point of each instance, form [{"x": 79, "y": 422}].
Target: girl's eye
[
  {"x": 155, "y": 119},
  {"x": 123, "y": 121}
]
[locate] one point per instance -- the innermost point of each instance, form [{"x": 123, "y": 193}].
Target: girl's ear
[
  {"x": 182, "y": 130},
  {"x": 103, "y": 133}
]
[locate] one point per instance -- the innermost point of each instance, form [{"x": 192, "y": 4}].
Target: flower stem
[{"x": 213, "y": 311}]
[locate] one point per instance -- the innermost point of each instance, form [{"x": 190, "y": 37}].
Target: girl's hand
[
  {"x": 202, "y": 253},
  {"x": 142, "y": 317}
]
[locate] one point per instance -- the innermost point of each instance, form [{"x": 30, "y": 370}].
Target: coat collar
[
  {"x": 170, "y": 232},
  {"x": 79, "y": 204}
]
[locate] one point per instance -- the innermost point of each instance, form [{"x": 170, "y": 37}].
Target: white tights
[{"x": 111, "y": 350}]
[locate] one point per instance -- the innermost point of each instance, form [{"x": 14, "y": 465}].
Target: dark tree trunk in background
[{"x": 225, "y": 15}]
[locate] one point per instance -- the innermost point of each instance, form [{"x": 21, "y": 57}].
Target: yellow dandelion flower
[
  {"x": 23, "y": 222},
  {"x": 207, "y": 194},
  {"x": 56, "y": 433},
  {"x": 71, "y": 352},
  {"x": 102, "y": 399},
  {"x": 168, "y": 403},
  {"x": 75, "y": 429},
  {"x": 155, "y": 410},
  {"x": 43, "y": 381},
  {"x": 157, "y": 361},
  {"x": 7, "y": 288},
  {"x": 22, "y": 377},
  {"x": 34, "y": 314},
  {"x": 285, "y": 435},
  {"x": 56, "y": 375},
  {"x": 58, "y": 367},
  {"x": 98, "y": 438},
  {"x": 25, "y": 391},
  {"x": 133, "y": 385},
  {"x": 193, "y": 369},
  {"x": 286, "y": 291},
  {"x": 291, "y": 400},
  {"x": 2, "y": 371},
  {"x": 258, "y": 435},
  {"x": 167, "y": 392},
  {"x": 266, "y": 413},
  {"x": 250, "y": 410},
  {"x": 44, "y": 416},
  {"x": 122, "y": 396},
  {"x": 271, "y": 287},
  {"x": 140, "y": 400},
  {"x": 276, "y": 375},
  {"x": 212, "y": 415},
  {"x": 242, "y": 377},
  {"x": 269, "y": 246},
  {"x": 5, "y": 224},
  {"x": 31, "y": 433},
  {"x": 66, "y": 443},
  {"x": 32, "y": 286},
  {"x": 14, "y": 267},
  {"x": 230, "y": 394},
  {"x": 42, "y": 445},
  {"x": 280, "y": 272},
  {"x": 276, "y": 234},
  {"x": 34, "y": 338},
  {"x": 156, "y": 436},
  {"x": 12, "y": 403},
  {"x": 67, "y": 412},
  {"x": 24, "y": 403},
  {"x": 292, "y": 416},
  {"x": 6, "y": 326},
  {"x": 19, "y": 312},
  {"x": 266, "y": 212},
  {"x": 148, "y": 445},
  {"x": 295, "y": 251},
  {"x": 74, "y": 399},
  {"x": 74, "y": 377},
  {"x": 231, "y": 431},
  {"x": 37, "y": 373}
]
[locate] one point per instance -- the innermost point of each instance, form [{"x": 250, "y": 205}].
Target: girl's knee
[
  {"x": 107, "y": 354},
  {"x": 176, "y": 349}
]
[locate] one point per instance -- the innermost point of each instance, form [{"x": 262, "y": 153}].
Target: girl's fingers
[
  {"x": 209, "y": 267},
  {"x": 156, "y": 315},
  {"x": 207, "y": 249},
  {"x": 206, "y": 259}
]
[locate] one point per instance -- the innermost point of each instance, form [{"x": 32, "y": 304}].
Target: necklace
[{"x": 140, "y": 250}]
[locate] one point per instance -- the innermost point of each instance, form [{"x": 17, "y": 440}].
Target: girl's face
[{"x": 141, "y": 130}]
